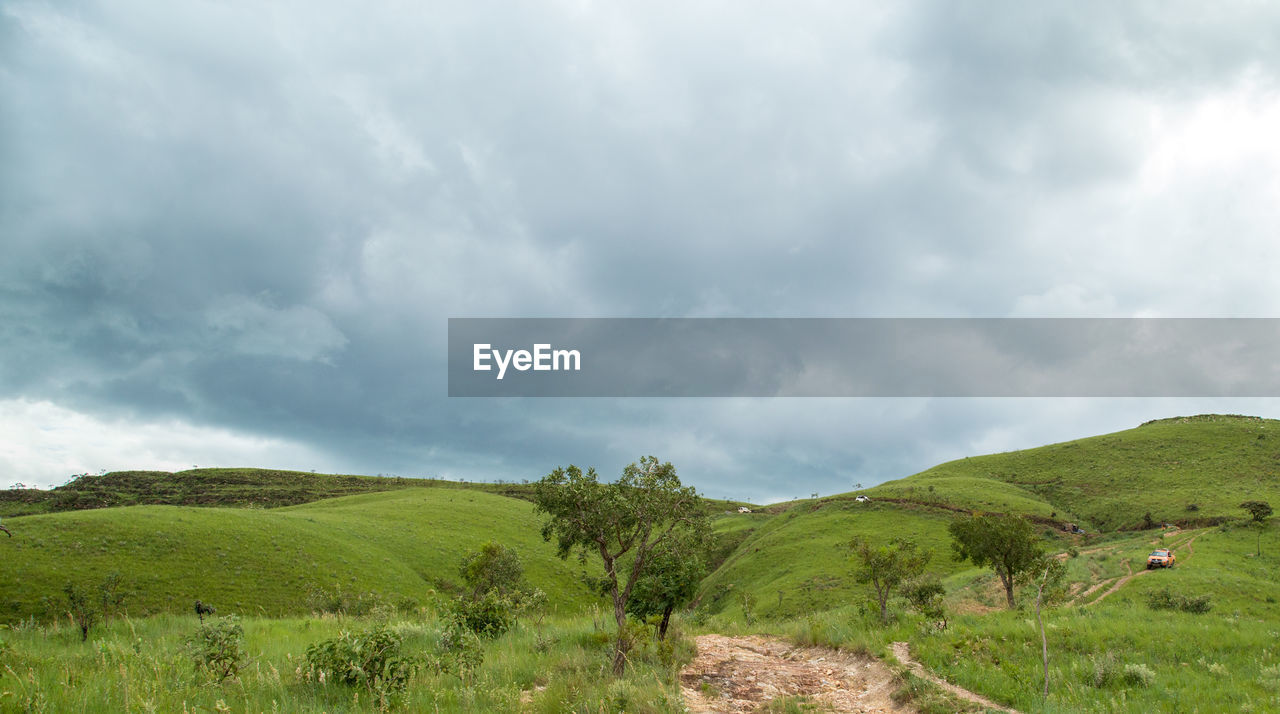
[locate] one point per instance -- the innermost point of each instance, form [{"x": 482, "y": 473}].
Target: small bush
[
  {"x": 337, "y": 601},
  {"x": 458, "y": 652},
  {"x": 1138, "y": 675},
  {"x": 489, "y": 615},
  {"x": 1269, "y": 678},
  {"x": 372, "y": 659},
  {"x": 217, "y": 647},
  {"x": 1073, "y": 552},
  {"x": 1163, "y": 599}
]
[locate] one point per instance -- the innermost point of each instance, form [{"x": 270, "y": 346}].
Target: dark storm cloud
[{"x": 260, "y": 217}]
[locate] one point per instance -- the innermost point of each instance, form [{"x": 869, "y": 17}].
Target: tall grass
[{"x": 139, "y": 665}]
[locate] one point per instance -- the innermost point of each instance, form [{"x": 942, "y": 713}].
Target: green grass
[
  {"x": 803, "y": 555},
  {"x": 139, "y": 666},
  {"x": 405, "y": 546},
  {"x": 1226, "y": 660},
  {"x": 241, "y": 487},
  {"x": 246, "y": 487},
  {"x": 1188, "y": 470}
]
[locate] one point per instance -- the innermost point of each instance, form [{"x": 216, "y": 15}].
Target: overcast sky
[{"x": 232, "y": 232}]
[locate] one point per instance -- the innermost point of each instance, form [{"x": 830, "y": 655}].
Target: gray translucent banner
[{"x": 863, "y": 357}]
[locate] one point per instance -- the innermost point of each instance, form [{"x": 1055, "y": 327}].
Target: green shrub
[
  {"x": 1163, "y": 599},
  {"x": 217, "y": 647},
  {"x": 458, "y": 652},
  {"x": 371, "y": 658},
  {"x": 1138, "y": 675},
  {"x": 338, "y": 601},
  {"x": 489, "y": 615},
  {"x": 1108, "y": 672}
]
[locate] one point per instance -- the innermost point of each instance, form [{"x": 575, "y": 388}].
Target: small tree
[
  {"x": 493, "y": 567},
  {"x": 1008, "y": 544},
  {"x": 885, "y": 567},
  {"x": 634, "y": 515},
  {"x": 112, "y": 596},
  {"x": 670, "y": 580},
  {"x": 1047, "y": 576},
  {"x": 1260, "y": 511},
  {"x": 81, "y": 611}
]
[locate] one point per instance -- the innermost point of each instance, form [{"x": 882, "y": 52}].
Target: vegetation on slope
[
  {"x": 238, "y": 487},
  {"x": 1186, "y": 470},
  {"x": 402, "y": 547}
]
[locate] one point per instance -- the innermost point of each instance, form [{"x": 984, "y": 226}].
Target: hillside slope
[
  {"x": 797, "y": 562},
  {"x": 403, "y": 545},
  {"x": 266, "y": 488},
  {"x": 1185, "y": 470}
]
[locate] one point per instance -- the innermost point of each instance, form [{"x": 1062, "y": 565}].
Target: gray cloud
[{"x": 259, "y": 218}]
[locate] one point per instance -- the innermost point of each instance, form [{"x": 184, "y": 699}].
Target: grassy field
[
  {"x": 1187, "y": 470},
  {"x": 797, "y": 561},
  {"x": 781, "y": 570},
  {"x": 403, "y": 547},
  {"x": 140, "y": 665}
]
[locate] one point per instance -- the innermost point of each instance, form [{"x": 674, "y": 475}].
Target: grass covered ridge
[{"x": 402, "y": 546}]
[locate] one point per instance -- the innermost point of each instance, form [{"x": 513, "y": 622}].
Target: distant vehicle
[
  {"x": 1160, "y": 558},
  {"x": 862, "y": 499},
  {"x": 743, "y": 509}
]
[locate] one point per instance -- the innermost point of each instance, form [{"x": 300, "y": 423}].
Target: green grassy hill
[
  {"x": 797, "y": 562},
  {"x": 405, "y": 546},
  {"x": 266, "y": 488},
  {"x": 1185, "y": 470}
]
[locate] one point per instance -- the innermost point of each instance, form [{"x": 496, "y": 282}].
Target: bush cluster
[
  {"x": 1163, "y": 599},
  {"x": 372, "y": 658},
  {"x": 1109, "y": 672}
]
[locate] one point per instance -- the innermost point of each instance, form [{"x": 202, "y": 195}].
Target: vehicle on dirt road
[{"x": 1160, "y": 558}]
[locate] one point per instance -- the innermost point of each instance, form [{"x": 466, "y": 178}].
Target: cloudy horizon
[{"x": 234, "y": 233}]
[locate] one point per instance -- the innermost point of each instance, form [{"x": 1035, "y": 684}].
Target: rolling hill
[
  {"x": 793, "y": 562},
  {"x": 404, "y": 546},
  {"x": 1185, "y": 470}
]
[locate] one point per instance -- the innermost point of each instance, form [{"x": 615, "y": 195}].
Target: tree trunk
[
  {"x": 1044, "y": 641},
  {"x": 621, "y": 644},
  {"x": 1008, "y": 589},
  {"x": 666, "y": 618}
]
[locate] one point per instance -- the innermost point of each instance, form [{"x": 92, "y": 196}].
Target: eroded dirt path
[
  {"x": 902, "y": 651},
  {"x": 741, "y": 674}
]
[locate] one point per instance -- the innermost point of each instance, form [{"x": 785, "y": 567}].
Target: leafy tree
[
  {"x": 632, "y": 516},
  {"x": 670, "y": 580},
  {"x": 1006, "y": 543},
  {"x": 493, "y": 567},
  {"x": 885, "y": 567},
  {"x": 1260, "y": 511}
]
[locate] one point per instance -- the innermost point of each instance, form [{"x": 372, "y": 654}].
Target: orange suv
[{"x": 1160, "y": 558}]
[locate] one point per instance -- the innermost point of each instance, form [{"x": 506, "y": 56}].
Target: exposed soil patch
[
  {"x": 902, "y": 651},
  {"x": 742, "y": 674}
]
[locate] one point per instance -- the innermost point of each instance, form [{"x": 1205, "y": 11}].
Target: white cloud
[{"x": 45, "y": 444}]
